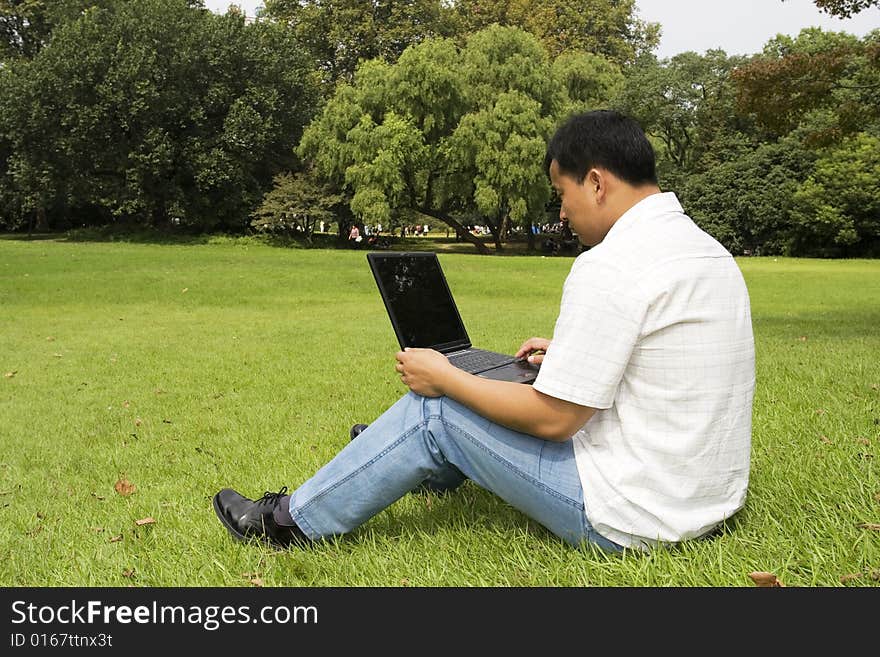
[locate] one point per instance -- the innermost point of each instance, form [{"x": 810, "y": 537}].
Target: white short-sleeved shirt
[{"x": 655, "y": 330}]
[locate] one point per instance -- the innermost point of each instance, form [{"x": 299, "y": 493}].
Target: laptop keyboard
[{"x": 478, "y": 360}]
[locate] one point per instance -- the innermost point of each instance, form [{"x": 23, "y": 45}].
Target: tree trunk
[
  {"x": 461, "y": 230},
  {"x": 42, "y": 221},
  {"x": 497, "y": 233}
]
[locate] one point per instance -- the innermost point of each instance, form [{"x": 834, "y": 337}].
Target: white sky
[{"x": 739, "y": 27}]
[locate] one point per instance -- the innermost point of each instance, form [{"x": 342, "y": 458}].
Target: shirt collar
[{"x": 652, "y": 205}]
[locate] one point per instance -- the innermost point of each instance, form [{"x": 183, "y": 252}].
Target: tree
[
  {"x": 457, "y": 134},
  {"x": 296, "y": 204},
  {"x": 342, "y": 33},
  {"x": 27, "y": 25},
  {"x": 603, "y": 27},
  {"x": 837, "y": 208},
  {"x": 844, "y": 8},
  {"x": 826, "y": 82},
  {"x": 685, "y": 102},
  {"x": 589, "y": 81},
  {"x": 497, "y": 156},
  {"x": 154, "y": 111},
  {"x": 746, "y": 202}
]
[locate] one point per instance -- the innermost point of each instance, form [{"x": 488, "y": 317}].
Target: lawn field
[{"x": 137, "y": 379}]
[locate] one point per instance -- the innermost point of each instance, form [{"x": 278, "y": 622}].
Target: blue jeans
[{"x": 439, "y": 442}]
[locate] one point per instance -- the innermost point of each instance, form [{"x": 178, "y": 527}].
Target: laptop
[{"x": 424, "y": 314}]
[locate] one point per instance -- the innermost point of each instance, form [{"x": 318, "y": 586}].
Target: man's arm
[{"x": 514, "y": 405}]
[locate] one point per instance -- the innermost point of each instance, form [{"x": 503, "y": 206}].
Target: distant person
[
  {"x": 637, "y": 431},
  {"x": 354, "y": 235}
]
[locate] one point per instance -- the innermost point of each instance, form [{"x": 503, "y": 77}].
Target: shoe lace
[{"x": 273, "y": 498}]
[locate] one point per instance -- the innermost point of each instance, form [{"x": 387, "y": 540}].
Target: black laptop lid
[{"x": 419, "y": 302}]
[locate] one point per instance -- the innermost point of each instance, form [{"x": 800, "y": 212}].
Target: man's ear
[{"x": 595, "y": 182}]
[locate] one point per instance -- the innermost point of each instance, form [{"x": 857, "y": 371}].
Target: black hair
[{"x": 605, "y": 139}]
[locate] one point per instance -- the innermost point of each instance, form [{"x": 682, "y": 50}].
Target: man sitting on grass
[{"x": 637, "y": 430}]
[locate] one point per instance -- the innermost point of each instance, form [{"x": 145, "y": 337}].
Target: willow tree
[{"x": 457, "y": 134}]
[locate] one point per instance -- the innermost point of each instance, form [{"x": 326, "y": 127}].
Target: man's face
[{"x": 578, "y": 206}]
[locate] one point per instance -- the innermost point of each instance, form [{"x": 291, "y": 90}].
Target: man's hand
[
  {"x": 519, "y": 407},
  {"x": 533, "y": 350},
  {"x": 424, "y": 371}
]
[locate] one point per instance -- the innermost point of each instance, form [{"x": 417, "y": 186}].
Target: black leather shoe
[
  {"x": 356, "y": 430},
  {"x": 254, "y": 519}
]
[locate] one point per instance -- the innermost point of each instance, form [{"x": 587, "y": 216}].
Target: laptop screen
[{"x": 418, "y": 300}]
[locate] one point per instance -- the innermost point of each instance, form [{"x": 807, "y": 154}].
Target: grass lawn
[{"x": 182, "y": 368}]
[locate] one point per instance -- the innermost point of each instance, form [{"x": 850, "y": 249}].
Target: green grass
[{"x": 181, "y": 367}]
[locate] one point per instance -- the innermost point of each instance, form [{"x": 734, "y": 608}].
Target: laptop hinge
[{"x": 451, "y": 348}]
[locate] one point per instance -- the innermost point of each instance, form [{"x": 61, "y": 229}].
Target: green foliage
[
  {"x": 746, "y": 202},
  {"x": 454, "y": 133},
  {"x": 340, "y": 34},
  {"x": 845, "y": 8},
  {"x": 589, "y": 81},
  {"x": 154, "y": 111},
  {"x": 827, "y": 84},
  {"x": 295, "y": 205},
  {"x": 609, "y": 28},
  {"x": 837, "y": 208},
  {"x": 435, "y": 111},
  {"x": 497, "y": 157},
  {"x": 500, "y": 59},
  {"x": 738, "y": 139},
  {"x": 685, "y": 102},
  {"x": 27, "y": 25}
]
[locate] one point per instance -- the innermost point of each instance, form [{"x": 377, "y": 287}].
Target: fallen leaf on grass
[
  {"x": 826, "y": 440},
  {"x": 877, "y": 496},
  {"x": 138, "y": 422},
  {"x": 863, "y": 441},
  {"x": 848, "y": 578},
  {"x": 253, "y": 578},
  {"x": 873, "y": 526},
  {"x": 115, "y": 539},
  {"x": 765, "y": 579},
  {"x": 50, "y": 339},
  {"x": 9, "y": 375},
  {"x": 124, "y": 487},
  {"x": 803, "y": 338},
  {"x": 128, "y": 572},
  {"x": 145, "y": 521}
]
